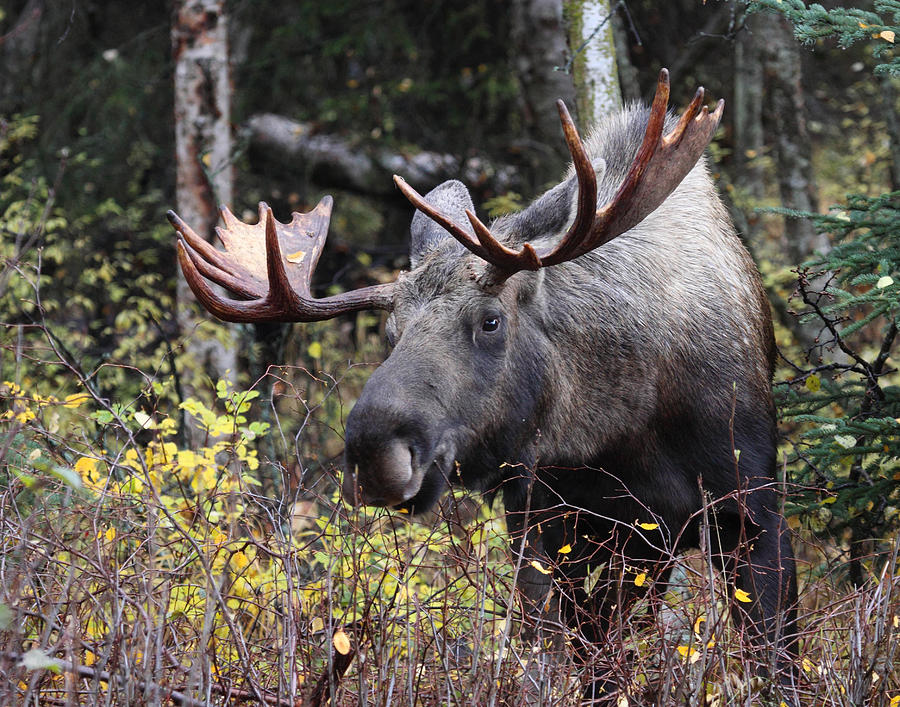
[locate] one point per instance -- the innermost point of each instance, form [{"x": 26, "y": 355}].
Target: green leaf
[
  {"x": 5, "y": 617},
  {"x": 68, "y": 476}
]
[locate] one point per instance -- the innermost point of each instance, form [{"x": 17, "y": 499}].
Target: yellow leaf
[
  {"x": 640, "y": 579},
  {"x": 239, "y": 560},
  {"x": 85, "y": 465},
  {"x": 700, "y": 620},
  {"x": 808, "y": 665},
  {"x": 741, "y": 595},
  {"x": 317, "y": 624},
  {"x": 540, "y": 568},
  {"x": 813, "y": 383},
  {"x": 341, "y": 642},
  {"x": 76, "y": 399},
  {"x": 649, "y": 526},
  {"x": 895, "y": 700},
  {"x": 887, "y": 35},
  {"x": 565, "y": 549},
  {"x": 685, "y": 651},
  {"x": 296, "y": 257},
  {"x": 110, "y": 534},
  {"x": 314, "y": 350}
]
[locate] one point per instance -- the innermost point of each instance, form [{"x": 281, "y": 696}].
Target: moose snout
[
  {"x": 380, "y": 474},
  {"x": 386, "y": 452}
]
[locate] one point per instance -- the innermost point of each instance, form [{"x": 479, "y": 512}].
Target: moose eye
[{"x": 491, "y": 323}]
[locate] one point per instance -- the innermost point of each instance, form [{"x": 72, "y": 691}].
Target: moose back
[{"x": 594, "y": 365}]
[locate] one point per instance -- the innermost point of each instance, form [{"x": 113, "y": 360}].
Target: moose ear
[{"x": 452, "y": 199}]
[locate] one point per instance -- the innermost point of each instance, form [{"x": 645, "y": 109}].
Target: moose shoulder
[{"x": 593, "y": 365}]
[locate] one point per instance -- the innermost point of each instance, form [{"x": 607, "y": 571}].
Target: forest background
[{"x": 169, "y": 519}]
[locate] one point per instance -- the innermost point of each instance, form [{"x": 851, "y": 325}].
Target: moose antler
[
  {"x": 275, "y": 287},
  {"x": 661, "y": 163}
]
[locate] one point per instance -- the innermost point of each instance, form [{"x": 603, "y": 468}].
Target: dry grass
[{"x": 166, "y": 576}]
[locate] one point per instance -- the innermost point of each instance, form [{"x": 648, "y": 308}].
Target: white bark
[
  {"x": 594, "y": 59},
  {"x": 203, "y": 148}
]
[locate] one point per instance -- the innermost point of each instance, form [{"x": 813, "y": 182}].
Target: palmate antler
[
  {"x": 276, "y": 287},
  {"x": 660, "y": 165}
]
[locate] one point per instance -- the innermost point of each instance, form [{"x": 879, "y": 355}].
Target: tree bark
[
  {"x": 749, "y": 135},
  {"x": 333, "y": 161},
  {"x": 892, "y": 120},
  {"x": 793, "y": 151},
  {"x": 593, "y": 59},
  {"x": 19, "y": 54},
  {"x": 202, "y": 151},
  {"x": 539, "y": 51}
]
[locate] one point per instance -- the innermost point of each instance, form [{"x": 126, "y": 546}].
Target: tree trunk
[
  {"x": 629, "y": 80},
  {"x": 202, "y": 153},
  {"x": 334, "y": 161},
  {"x": 749, "y": 135},
  {"x": 892, "y": 120},
  {"x": 593, "y": 59},
  {"x": 19, "y": 54},
  {"x": 539, "y": 51},
  {"x": 793, "y": 151}
]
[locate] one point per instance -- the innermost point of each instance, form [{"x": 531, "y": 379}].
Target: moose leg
[{"x": 757, "y": 555}]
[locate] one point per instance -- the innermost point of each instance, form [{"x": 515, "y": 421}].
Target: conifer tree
[{"x": 847, "y": 400}]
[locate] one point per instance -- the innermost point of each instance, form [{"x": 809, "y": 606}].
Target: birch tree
[
  {"x": 593, "y": 59},
  {"x": 203, "y": 155}
]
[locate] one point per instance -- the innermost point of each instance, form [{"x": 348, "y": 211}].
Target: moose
[{"x": 603, "y": 369}]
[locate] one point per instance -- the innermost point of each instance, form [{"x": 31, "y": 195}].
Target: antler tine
[
  {"x": 280, "y": 295},
  {"x": 485, "y": 247},
  {"x": 449, "y": 225},
  {"x": 659, "y": 166},
  {"x": 224, "y": 308},
  {"x": 690, "y": 113},
  {"x": 254, "y": 265},
  {"x": 201, "y": 245},
  {"x": 587, "y": 192},
  {"x": 220, "y": 277},
  {"x": 600, "y": 232}
]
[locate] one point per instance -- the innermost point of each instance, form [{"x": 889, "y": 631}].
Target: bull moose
[{"x": 595, "y": 366}]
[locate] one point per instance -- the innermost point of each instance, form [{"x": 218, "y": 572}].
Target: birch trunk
[
  {"x": 203, "y": 154},
  {"x": 593, "y": 57}
]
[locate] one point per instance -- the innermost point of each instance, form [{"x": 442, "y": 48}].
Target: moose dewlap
[{"x": 593, "y": 366}]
